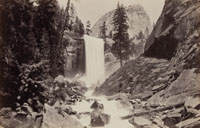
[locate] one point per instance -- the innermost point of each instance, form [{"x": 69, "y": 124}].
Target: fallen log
[{"x": 155, "y": 110}]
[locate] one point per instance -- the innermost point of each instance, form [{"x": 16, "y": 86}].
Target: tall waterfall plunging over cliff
[{"x": 94, "y": 51}]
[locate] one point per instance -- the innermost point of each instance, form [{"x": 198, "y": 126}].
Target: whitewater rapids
[{"x": 111, "y": 107}]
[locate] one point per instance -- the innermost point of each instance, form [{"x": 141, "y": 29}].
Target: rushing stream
[
  {"x": 95, "y": 73},
  {"x": 111, "y": 107}
]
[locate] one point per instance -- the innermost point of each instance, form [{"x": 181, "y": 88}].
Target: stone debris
[{"x": 184, "y": 115}]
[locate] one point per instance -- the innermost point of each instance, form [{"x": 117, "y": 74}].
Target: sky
[{"x": 93, "y": 9}]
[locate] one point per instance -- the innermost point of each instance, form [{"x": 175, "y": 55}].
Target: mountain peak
[{"x": 138, "y": 20}]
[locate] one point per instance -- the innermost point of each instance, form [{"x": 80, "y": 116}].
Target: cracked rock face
[{"x": 176, "y": 30}]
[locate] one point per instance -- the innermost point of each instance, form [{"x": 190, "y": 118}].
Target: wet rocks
[
  {"x": 99, "y": 119},
  {"x": 97, "y": 105}
]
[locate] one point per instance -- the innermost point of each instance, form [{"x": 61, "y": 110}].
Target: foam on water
[{"x": 113, "y": 108}]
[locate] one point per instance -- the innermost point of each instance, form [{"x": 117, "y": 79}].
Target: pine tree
[
  {"x": 141, "y": 36},
  {"x": 88, "y": 28},
  {"x": 103, "y": 30},
  {"x": 79, "y": 27},
  {"x": 121, "y": 46},
  {"x": 147, "y": 32},
  {"x": 46, "y": 21},
  {"x": 19, "y": 54}
]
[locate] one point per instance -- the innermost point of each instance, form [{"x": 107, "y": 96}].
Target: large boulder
[
  {"x": 60, "y": 81},
  {"x": 190, "y": 123},
  {"x": 140, "y": 121},
  {"x": 99, "y": 119},
  {"x": 11, "y": 119},
  {"x": 193, "y": 102},
  {"x": 52, "y": 119}
]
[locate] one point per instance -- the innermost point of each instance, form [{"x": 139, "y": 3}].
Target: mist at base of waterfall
[{"x": 111, "y": 107}]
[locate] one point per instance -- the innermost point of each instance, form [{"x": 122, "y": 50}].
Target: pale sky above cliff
[{"x": 93, "y": 9}]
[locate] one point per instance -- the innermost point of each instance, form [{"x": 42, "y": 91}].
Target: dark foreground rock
[
  {"x": 99, "y": 119},
  {"x": 11, "y": 119},
  {"x": 97, "y": 105}
]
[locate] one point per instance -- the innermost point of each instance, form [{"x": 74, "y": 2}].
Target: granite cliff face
[
  {"x": 138, "y": 21},
  {"x": 176, "y": 30}
]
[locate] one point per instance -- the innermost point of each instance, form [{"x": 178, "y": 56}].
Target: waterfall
[{"x": 94, "y": 51}]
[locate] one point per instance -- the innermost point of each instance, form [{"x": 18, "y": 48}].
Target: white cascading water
[
  {"x": 95, "y": 73},
  {"x": 95, "y": 67}
]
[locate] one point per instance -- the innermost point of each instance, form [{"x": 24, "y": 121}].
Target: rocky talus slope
[{"x": 164, "y": 84}]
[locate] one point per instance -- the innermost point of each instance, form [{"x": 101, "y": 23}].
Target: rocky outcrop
[
  {"x": 176, "y": 31},
  {"x": 167, "y": 75},
  {"x": 74, "y": 54},
  {"x": 138, "y": 21}
]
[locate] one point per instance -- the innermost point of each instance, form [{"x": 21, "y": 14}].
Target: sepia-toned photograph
[{"x": 99, "y": 63}]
